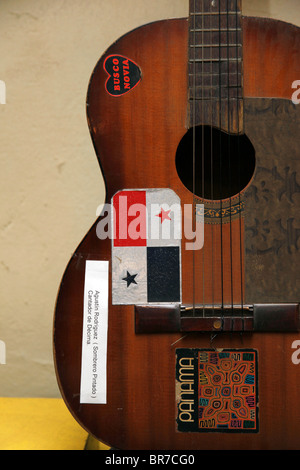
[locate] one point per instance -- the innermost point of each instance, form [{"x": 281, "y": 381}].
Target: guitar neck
[{"x": 215, "y": 64}]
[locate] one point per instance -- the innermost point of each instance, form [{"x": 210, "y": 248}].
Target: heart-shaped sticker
[{"x": 123, "y": 74}]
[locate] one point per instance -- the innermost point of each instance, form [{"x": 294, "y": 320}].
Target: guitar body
[{"x": 136, "y": 135}]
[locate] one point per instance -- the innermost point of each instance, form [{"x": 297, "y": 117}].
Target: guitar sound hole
[{"x": 221, "y": 166}]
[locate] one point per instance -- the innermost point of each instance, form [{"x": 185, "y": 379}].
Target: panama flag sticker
[{"x": 146, "y": 247}]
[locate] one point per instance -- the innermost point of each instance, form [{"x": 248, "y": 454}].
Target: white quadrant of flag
[{"x": 146, "y": 247}]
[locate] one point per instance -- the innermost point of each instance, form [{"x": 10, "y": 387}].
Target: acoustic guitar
[{"x": 177, "y": 318}]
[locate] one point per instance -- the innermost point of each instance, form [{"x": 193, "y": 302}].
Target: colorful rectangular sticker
[
  {"x": 217, "y": 390},
  {"x": 146, "y": 247}
]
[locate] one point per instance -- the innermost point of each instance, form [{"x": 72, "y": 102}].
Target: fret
[
  {"x": 213, "y": 30},
  {"x": 219, "y": 39},
  {"x": 215, "y": 37},
  {"x": 216, "y": 99},
  {"x": 215, "y": 53},
  {"x": 217, "y": 91},
  {"x": 209, "y": 74},
  {"x": 217, "y": 86},
  {"x": 215, "y": 45},
  {"x": 224, "y": 66},
  {"x": 207, "y": 84},
  {"x": 215, "y": 21},
  {"x": 216, "y": 79},
  {"x": 215, "y": 13},
  {"x": 207, "y": 93},
  {"x": 210, "y": 59},
  {"x": 199, "y": 6}
]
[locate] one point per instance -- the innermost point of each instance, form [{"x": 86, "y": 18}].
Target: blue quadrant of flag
[{"x": 163, "y": 274}]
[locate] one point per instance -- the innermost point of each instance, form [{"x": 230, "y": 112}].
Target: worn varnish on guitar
[{"x": 160, "y": 343}]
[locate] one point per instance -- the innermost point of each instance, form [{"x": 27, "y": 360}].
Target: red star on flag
[{"x": 164, "y": 215}]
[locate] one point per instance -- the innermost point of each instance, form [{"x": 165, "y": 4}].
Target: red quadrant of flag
[{"x": 130, "y": 218}]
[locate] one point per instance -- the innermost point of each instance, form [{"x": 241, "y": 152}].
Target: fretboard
[{"x": 215, "y": 63}]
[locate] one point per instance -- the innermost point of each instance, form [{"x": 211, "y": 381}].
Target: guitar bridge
[{"x": 283, "y": 317}]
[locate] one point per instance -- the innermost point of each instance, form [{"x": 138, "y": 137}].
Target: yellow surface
[{"x": 41, "y": 424}]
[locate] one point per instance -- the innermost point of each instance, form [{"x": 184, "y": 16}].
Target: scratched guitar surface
[{"x": 272, "y": 217}]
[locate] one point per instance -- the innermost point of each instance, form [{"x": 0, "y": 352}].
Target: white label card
[{"x": 94, "y": 336}]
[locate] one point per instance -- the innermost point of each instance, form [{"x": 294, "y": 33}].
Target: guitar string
[
  {"x": 203, "y": 158},
  {"x": 238, "y": 99},
  {"x": 229, "y": 157},
  {"x": 202, "y": 150},
  {"x": 220, "y": 165},
  {"x": 194, "y": 147},
  {"x": 237, "y": 42},
  {"x": 238, "y": 154},
  {"x": 230, "y": 211},
  {"x": 239, "y": 163},
  {"x": 212, "y": 162}
]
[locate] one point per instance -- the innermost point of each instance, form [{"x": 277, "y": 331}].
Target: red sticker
[
  {"x": 123, "y": 74},
  {"x": 130, "y": 218}
]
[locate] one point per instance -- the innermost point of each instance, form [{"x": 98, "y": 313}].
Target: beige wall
[{"x": 50, "y": 181}]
